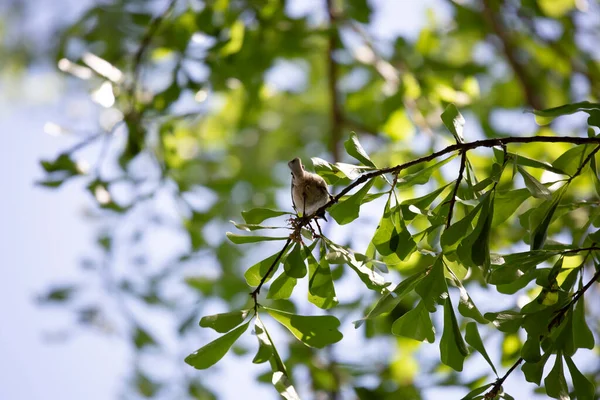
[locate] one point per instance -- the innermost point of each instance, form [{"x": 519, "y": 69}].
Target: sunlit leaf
[
  {"x": 535, "y": 187},
  {"x": 211, "y": 353},
  {"x": 390, "y": 300},
  {"x": 474, "y": 340},
  {"x": 347, "y": 211},
  {"x": 555, "y": 382},
  {"x": 256, "y": 273},
  {"x": 321, "y": 291},
  {"x": 355, "y": 149},
  {"x": 314, "y": 331},
  {"x": 433, "y": 288},
  {"x": 294, "y": 265},
  {"x": 241, "y": 239},
  {"x": 258, "y": 215},
  {"x": 454, "y": 122},
  {"x": 224, "y": 322},
  {"x": 415, "y": 324},
  {"x": 584, "y": 389},
  {"x": 453, "y": 349}
]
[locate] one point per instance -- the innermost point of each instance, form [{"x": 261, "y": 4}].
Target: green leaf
[
  {"x": 466, "y": 306},
  {"x": 369, "y": 276},
  {"x": 359, "y": 10},
  {"x": 531, "y": 349},
  {"x": 253, "y": 227},
  {"x": 533, "y": 371},
  {"x": 453, "y": 236},
  {"x": 224, "y": 322},
  {"x": 347, "y": 211},
  {"x": 555, "y": 382},
  {"x": 474, "y": 250},
  {"x": 321, "y": 291},
  {"x": 474, "y": 340},
  {"x": 355, "y": 149},
  {"x": 141, "y": 338},
  {"x": 420, "y": 202},
  {"x": 422, "y": 176},
  {"x": 567, "y": 109},
  {"x": 584, "y": 389},
  {"x": 535, "y": 187},
  {"x": 314, "y": 331},
  {"x": 242, "y": 239},
  {"x": 236, "y": 38},
  {"x": 473, "y": 394},
  {"x": 582, "y": 335},
  {"x": 283, "y": 385},
  {"x": 255, "y": 273},
  {"x": 506, "y": 321},
  {"x": 433, "y": 288},
  {"x": 63, "y": 163},
  {"x": 265, "y": 346},
  {"x": 506, "y": 203},
  {"x": 454, "y": 122},
  {"x": 258, "y": 215},
  {"x": 282, "y": 287},
  {"x": 453, "y": 349},
  {"x": 415, "y": 324},
  {"x": 571, "y": 160},
  {"x": 210, "y": 354},
  {"x": 392, "y": 239},
  {"x": 390, "y": 300},
  {"x": 294, "y": 265},
  {"x": 529, "y": 162},
  {"x": 539, "y": 234}
]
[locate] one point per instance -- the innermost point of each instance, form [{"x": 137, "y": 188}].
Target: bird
[{"x": 309, "y": 191}]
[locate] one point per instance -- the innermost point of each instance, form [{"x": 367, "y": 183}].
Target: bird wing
[{"x": 292, "y": 194}]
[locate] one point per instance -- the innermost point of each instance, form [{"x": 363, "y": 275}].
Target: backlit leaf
[{"x": 210, "y": 354}]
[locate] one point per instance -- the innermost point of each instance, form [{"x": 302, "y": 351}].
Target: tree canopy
[{"x": 463, "y": 164}]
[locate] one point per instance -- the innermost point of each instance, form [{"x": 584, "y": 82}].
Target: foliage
[{"x": 465, "y": 214}]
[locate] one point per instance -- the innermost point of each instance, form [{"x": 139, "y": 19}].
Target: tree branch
[
  {"x": 336, "y": 115},
  {"x": 509, "y": 48},
  {"x": 256, "y": 291},
  {"x": 584, "y": 163},
  {"x": 458, "y": 147},
  {"x": 139, "y": 54},
  {"x": 463, "y": 162}
]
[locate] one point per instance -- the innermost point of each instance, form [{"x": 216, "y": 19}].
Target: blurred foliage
[{"x": 201, "y": 104}]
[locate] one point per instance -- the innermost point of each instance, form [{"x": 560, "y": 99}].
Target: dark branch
[
  {"x": 336, "y": 115},
  {"x": 498, "y": 384},
  {"x": 256, "y": 291},
  {"x": 458, "y": 147},
  {"x": 463, "y": 162},
  {"x": 509, "y": 47},
  {"x": 145, "y": 42},
  {"x": 584, "y": 163}
]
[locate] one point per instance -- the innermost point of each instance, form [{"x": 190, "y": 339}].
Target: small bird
[{"x": 309, "y": 191}]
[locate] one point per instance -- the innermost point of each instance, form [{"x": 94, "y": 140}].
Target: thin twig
[
  {"x": 458, "y": 147},
  {"x": 139, "y": 54},
  {"x": 584, "y": 163},
  {"x": 256, "y": 291},
  {"x": 498, "y": 384},
  {"x": 463, "y": 162},
  {"x": 336, "y": 115},
  {"x": 510, "y": 49}
]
